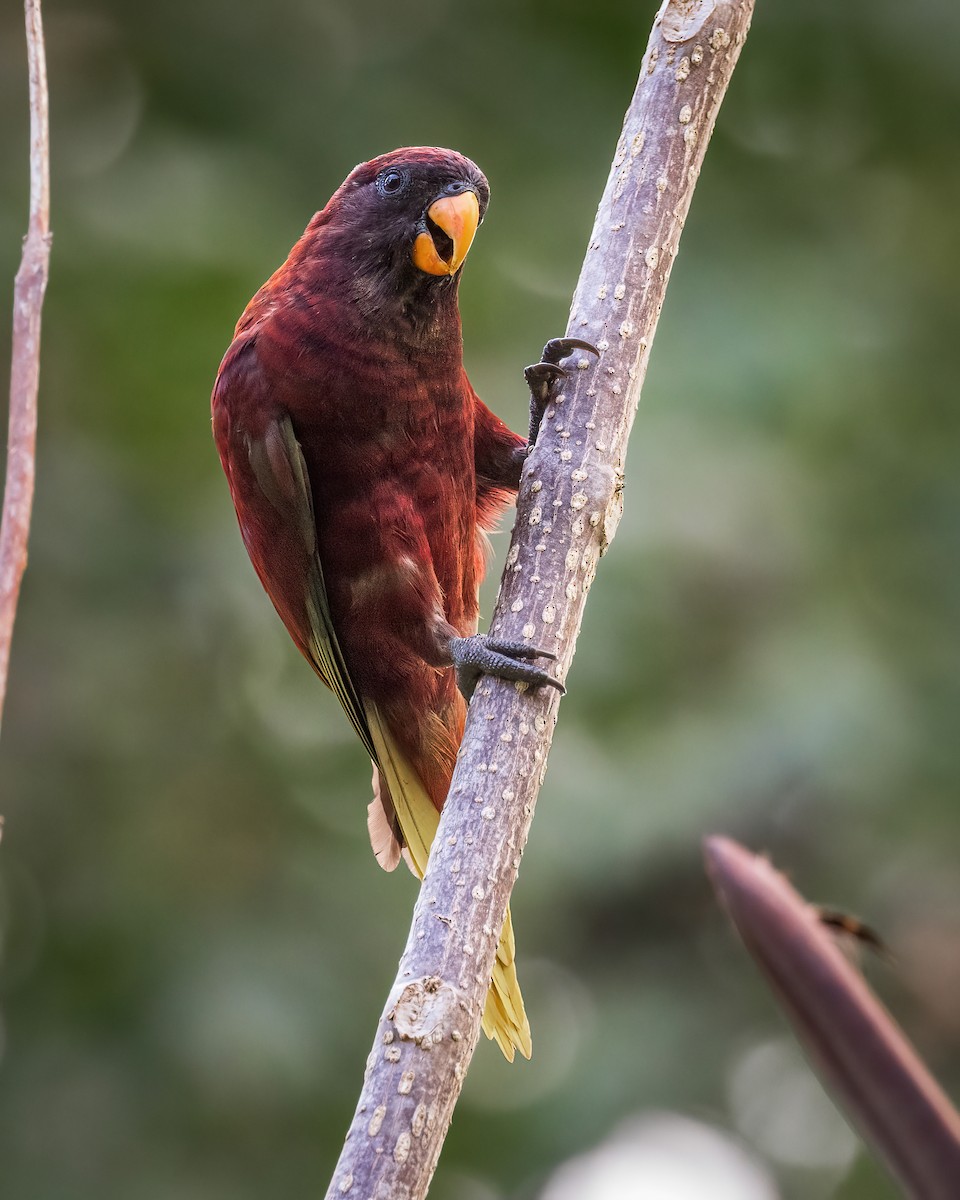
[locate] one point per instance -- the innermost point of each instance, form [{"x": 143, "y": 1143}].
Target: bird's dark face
[{"x": 408, "y": 219}]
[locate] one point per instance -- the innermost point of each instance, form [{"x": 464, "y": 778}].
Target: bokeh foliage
[{"x": 187, "y": 896}]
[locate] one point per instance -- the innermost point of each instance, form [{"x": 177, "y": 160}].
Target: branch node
[{"x": 426, "y": 1012}]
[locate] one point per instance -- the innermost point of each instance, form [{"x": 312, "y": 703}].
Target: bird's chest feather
[{"x": 390, "y": 455}]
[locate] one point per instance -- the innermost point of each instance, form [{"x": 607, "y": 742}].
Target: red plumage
[{"x": 364, "y": 467}]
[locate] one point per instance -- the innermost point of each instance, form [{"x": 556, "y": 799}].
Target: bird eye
[{"x": 391, "y": 182}]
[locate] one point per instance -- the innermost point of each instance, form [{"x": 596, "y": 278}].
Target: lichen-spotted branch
[
  {"x": 568, "y": 511},
  {"x": 29, "y": 288}
]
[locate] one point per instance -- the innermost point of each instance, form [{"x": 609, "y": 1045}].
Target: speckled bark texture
[{"x": 570, "y": 505}]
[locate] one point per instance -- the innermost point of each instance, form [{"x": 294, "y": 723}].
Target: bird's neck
[{"x": 383, "y": 300}]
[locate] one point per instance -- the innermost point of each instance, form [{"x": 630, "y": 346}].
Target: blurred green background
[{"x": 771, "y": 648}]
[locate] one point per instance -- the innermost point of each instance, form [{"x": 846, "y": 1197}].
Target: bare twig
[
  {"x": 568, "y": 511},
  {"x": 863, "y": 1056},
  {"x": 30, "y": 285}
]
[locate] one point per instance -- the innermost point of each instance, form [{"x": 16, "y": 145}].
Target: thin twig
[
  {"x": 862, "y": 1054},
  {"x": 568, "y": 511},
  {"x": 28, "y": 291}
]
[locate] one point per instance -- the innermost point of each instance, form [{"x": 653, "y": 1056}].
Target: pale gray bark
[{"x": 568, "y": 511}]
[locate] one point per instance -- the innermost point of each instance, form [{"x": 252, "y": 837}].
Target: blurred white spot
[
  {"x": 780, "y": 1106},
  {"x": 663, "y": 1156}
]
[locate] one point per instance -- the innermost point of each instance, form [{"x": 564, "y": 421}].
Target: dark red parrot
[{"x": 364, "y": 469}]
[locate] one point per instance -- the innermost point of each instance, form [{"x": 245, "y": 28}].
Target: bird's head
[{"x": 405, "y": 222}]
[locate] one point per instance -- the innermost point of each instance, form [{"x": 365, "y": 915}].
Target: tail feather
[
  {"x": 504, "y": 1018},
  {"x": 383, "y": 827},
  {"x": 504, "y": 1009}
]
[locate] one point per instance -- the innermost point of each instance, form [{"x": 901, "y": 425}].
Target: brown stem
[
  {"x": 569, "y": 507},
  {"x": 30, "y": 285},
  {"x": 862, "y": 1054}
]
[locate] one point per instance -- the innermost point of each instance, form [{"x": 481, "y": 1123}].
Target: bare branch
[
  {"x": 30, "y": 285},
  {"x": 568, "y": 511},
  {"x": 862, "y": 1054}
]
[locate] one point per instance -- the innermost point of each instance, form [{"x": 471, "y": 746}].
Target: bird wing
[
  {"x": 402, "y": 813},
  {"x": 278, "y": 466},
  {"x": 416, "y": 813}
]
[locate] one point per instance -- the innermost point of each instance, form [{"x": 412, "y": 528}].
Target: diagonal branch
[
  {"x": 30, "y": 285},
  {"x": 862, "y": 1055},
  {"x": 568, "y": 511}
]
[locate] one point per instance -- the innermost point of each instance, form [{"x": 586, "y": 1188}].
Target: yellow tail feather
[{"x": 504, "y": 1019}]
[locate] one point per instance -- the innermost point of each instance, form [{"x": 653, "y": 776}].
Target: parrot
[{"x": 366, "y": 472}]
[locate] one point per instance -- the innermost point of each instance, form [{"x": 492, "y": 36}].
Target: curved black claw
[
  {"x": 482, "y": 655},
  {"x": 560, "y": 348},
  {"x": 542, "y": 376},
  {"x": 540, "y": 379}
]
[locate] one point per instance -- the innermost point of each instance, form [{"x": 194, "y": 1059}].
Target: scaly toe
[{"x": 479, "y": 655}]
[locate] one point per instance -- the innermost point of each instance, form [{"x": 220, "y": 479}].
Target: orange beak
[{"x": 457, "y": 217}]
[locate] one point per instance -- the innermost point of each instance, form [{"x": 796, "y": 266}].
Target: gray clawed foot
[
  {"x": 483, "y": 655},
  {"x": 542, "y": 376}
]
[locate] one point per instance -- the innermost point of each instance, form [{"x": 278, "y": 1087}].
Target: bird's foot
[
  {"x": 541, "y": 377},
  {"x": 484, "y": 655}
]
